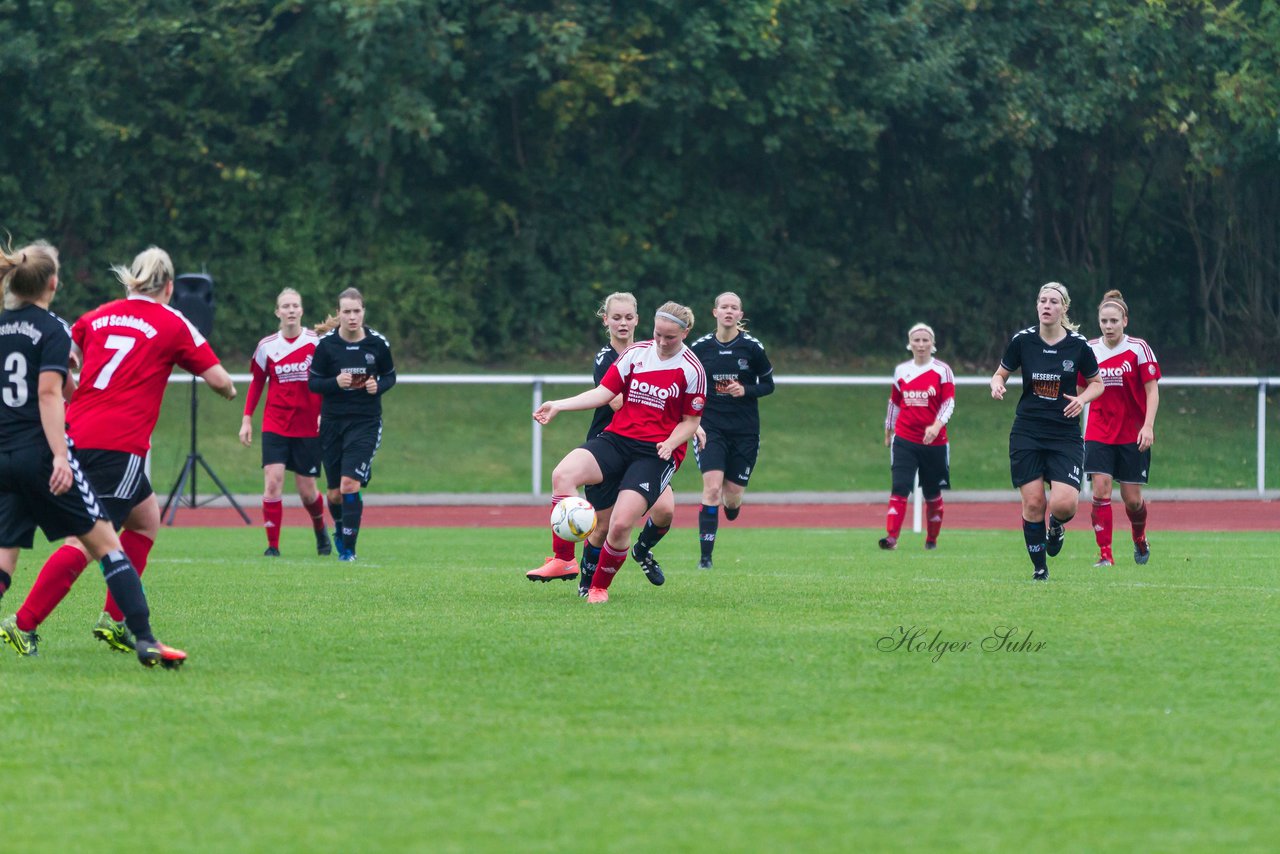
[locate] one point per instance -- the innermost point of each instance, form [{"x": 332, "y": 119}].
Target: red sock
[
  {"x": 1101, "y": 516},
  {"x": 610, "y": 563},
  {"x": 561, "y": 548},
  {"x": 52, "y": 585},
  {"x": 1139, "y": 520},
  {"x": 894, "y": 518},
  {"x": 272, "y": 516},
  {"x": 137, "y": 548},
  {"x": 933, "y": 519},
  {"x": 316, "y": 510}
]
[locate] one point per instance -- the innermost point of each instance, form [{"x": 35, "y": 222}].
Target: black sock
[
  {"x": 352, "y": 510},
  {"x": 590, "y": 558},
  {"x": 5, "y": 580},
  {"x": 650, "y": 536},
  {"x": 708, "y": 522},
  {"x": 1034, "y": 534},
  {"x": 335, "y": 510},
  {"x": 126, "y": 588},
  {"x": 731, "y": 513}
]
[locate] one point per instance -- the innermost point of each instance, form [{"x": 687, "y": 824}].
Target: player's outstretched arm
[
  {"x": 591, "y": 399},
  {"x": 220, "y": 381}
]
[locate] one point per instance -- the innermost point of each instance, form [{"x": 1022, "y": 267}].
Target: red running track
[{"x": 1166, "y": 515}]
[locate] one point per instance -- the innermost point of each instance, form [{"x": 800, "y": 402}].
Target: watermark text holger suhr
[{"x": 917, "y": 639}]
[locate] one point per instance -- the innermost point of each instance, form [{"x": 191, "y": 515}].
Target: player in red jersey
[
  {"x": 619, "y": 314},
  {"x": 921, "y": 402},
  {"x": 129, "y": 347},
  {"x": 1120, "y": 429},
  {"x": 41, "y": 482},
  {"x": 281, "y": 364},
  {"x": 664, "y": 390}
]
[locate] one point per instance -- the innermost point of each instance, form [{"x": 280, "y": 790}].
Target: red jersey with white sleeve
[
  {"x": 921, "y": 395},
  {"x": 130, "y": 347},
  {"x": 656, "y": 393},
  {"x": 1116, "y": 417},
  {"x": 281, "y": 365}
]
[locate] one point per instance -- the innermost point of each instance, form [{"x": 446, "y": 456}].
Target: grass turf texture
[
  {"x": 476, "y": 438},
  {"x": 430, "y": 698}
]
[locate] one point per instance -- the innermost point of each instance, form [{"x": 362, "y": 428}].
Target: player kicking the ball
[{"x": 663, "y": 390}]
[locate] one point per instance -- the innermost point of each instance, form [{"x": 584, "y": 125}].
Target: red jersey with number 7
[{"x": 130, "y": 347}]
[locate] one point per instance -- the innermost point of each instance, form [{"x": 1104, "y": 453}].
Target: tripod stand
[{"x": 189, "y": 471}]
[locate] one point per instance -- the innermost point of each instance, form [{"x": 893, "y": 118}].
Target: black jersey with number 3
[
  {"x": 32, "y": 341},
  {"x": 1049, "y": 374}
]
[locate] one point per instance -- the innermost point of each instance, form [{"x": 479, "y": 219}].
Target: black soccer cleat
[
  {"x": 271, "y": 551},
  {"x": 323, "y": 546},
  {"x": 705, "y": 563},
  {"x": 1054, "y": 539},
  {"x": 1040, "y": 575},
  {"x": 1141, "y": 551},
  {"x": 731, "y": 513},
  {"x": 151, "y": 653},
  {"x": 649, "y": 564},
  {"x": 888, "y": 543}
]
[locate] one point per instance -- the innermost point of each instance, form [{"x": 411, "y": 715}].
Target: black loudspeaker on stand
[{"x": 193, "y": 296}]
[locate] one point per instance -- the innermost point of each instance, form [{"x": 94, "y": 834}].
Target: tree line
[{"x": 486, "y": 171}]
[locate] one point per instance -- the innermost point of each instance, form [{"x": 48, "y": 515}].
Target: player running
[
  {"x": 42, "y": 483},
  {"x": 352, "y": 370},
  {"x": 728, "y": 440},
  {"x": 281, "y": 364},
  {"x": 663, "y": 389},
  {"x": 1044, "y": 443},
  {"x": 1120, "y": 429},
  {"x": 915, "y": 428}
]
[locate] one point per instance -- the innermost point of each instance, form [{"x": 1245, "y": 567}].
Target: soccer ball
[{"x": 573, "y": 519}]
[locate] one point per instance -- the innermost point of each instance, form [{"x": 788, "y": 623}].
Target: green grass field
[
  {"x": 429, "y": 698},
  {"x": 477, "y": 438}
]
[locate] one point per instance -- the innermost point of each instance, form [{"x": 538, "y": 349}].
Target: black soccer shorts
[
  {"x": 732, "y": 453},
  {"x": 1056, "y": 459},
  {"x": 1125, "y": 463},
  {"x": 348, "y": 446},
  {"x": 932, "y": 461},
  {"x": 298, "y": 454},
  {"x": 26, "y": 502},
  {"x": 119, "y": 478},
  {"x": 627, "y": 464}
]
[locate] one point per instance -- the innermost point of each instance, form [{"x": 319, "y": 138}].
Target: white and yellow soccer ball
[{"x": 573, "y": 519}]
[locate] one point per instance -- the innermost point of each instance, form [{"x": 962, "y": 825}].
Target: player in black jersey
[
  {"x": 351, "y": 370},
  {"x": 1045, "y": 443},
  {"x": 738, "y": 375},
  {"x": 41, "y": 483}
]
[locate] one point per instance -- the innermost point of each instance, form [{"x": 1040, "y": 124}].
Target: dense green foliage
[
  {"x": 431, "y": 699},
  {"x": 485, "y": 171}
]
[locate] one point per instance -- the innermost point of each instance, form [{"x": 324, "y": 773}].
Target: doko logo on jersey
[
  {"x": 651, "y": 395},
  {"x": 918, "y": 397},
  {"x": 1115, "y": 376},
  {"x": 293, "y": 371}
]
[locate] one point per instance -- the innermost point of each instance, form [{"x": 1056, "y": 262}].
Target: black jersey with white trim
[
  {"x": 1049, "y": 374},
  {"x": 603, "y": 414},
  {"x": 742, "y": 359},
  {"x": 368, "y": 357},
  {"x": 33, "y": 340}
]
